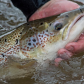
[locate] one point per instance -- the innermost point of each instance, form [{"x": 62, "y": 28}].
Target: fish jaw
[{"x": 77, "y": 30}]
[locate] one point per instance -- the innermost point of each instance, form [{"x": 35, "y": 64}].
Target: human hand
[
  {"x": 70, "y": 49},
  {"x": 55, "y": 7}
]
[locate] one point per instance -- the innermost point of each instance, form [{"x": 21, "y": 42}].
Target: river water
[{"x": 68, "y": 72}]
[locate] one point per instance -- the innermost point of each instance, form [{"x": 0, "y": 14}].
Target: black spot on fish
[
  {"x": 41, "y": 23},
  {"x": 29, "y": 44},
  {"x": 34, "y": 40},
  {"x": 46, "y": 30},
  {"x": 66, "y": 15},
  {"x": 81, "y": 11},
  {"x": 16, "y": 41},
  {"x": 18, "y": 35},
  {"x": 5, "y": 40},
  {"x": 2, "y": 55},
  {"x": 0, "y": 39},
  {"x": 20, "y": 32},
  {"x": 15, "y": 34}
]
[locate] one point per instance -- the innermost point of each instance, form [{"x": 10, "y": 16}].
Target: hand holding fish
[{"x": 56, "y": 7}]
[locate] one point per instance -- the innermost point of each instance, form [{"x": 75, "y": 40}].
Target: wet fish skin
[{"x": 34, "y": 40}]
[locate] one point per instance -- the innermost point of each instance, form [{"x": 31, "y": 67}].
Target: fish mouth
[{"x": 66, "y": 32}]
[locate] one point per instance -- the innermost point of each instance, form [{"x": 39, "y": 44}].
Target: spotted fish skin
[
  {"x": 39, "y": 39},
  {"x": 9, "y": 45},
  {"x": 27, "y": 45},
  {"x": 35, "y": 44}
]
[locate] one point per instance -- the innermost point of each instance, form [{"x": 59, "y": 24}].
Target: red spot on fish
[
  {"x": 31, "y": 48},
  {"x": 0, "y": 59},
  {"x": 37, "y": 43},
  {"x": 43, "y": 46},
  {"x": 24, "y": 49},
  {"x": 28, "y": 49},
  {"x": 34, "y": 45},
  {"x": 27, "y": 56},
  {"x": 46, "y": 34},
  {"x": 5, "y": 59}
]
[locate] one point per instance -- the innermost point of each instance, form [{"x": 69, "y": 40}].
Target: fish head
[{"x": 65, "y": 22}]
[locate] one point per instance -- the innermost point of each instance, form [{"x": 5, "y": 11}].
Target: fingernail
[
  {"x": 57, "y": 61},
  {"x": 65, "y": 55},
  {"x": 71, "y": 48}
]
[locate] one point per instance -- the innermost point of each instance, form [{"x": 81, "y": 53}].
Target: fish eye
[{"x": 58, "y": 26}]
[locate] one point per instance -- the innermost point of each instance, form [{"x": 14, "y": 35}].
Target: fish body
[{"x": 41, "y": 39}]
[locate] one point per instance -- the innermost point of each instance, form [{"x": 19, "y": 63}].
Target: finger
[
  {"x": 57, "y": 61},
  {"x": 64, "y": 54},
  {"x": 76, "y": 47},
  {"x": 53, "y": 7}
]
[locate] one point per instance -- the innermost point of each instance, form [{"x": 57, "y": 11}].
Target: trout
[{"x": 39, "y": 40}]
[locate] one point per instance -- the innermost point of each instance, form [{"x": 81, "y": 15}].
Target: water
[
  {"x": 9, "y": 16},
  {"x": 68, "y": 72}
]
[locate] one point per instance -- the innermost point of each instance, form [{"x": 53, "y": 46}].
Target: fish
[{"x": 39, "y": 40}]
